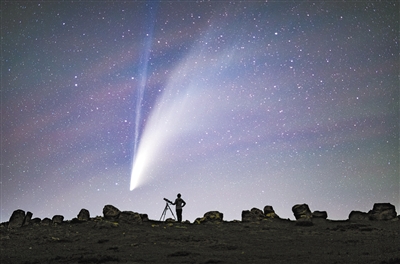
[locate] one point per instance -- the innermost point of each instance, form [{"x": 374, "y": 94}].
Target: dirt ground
[{"x": 273, "y": 241}]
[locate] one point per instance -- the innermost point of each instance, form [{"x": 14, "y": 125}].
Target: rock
[
  {"x": 36, "y": 221},
  {"x": 27, "y": 219},
  {"x": 83, "y": 215},
  {"x": 212, "y": 216},
  {"x": 111, "y": 213},
  {"x": 320, "y": 214},
  {"x": 247, "y": 216},
  {"x": 257, "y": 212},
  {"x": 16, "y": 219},
  {"x": 382, "y": 211},
  {"x": 269, "y": 212},
  {"x": 301, "y": 211},
  {"x": 57, "y": 219},
  {"x": 254, "y": 215},
  {"x": 358, "y": 216},
  {"x": 130, "y": 217},
  {"x": 46, "y": 221},
  {"x": 145, "y": 217}
]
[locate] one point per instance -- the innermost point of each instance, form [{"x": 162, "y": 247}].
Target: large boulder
[
  {"x": 382, "y": 211},
  {"x": 130, "y": 217},
  {"x": 83, "y": 215},
  {"x": 46, "y": 221},
  {"x": 36, "y": 221},
  {"x": 145, "y": 217},
  {"x": 303, "y": 215},
  {"x": 211, "y": 217},
  {"x": 111, "y": 212},
  {"x": 57, "y": 219},
  {"x": 28, "y": 218},
  {"x": 254, "y": 215},
  {"x": 301, "y": 211},
  {"x": 247, "y": 216},
  {"x": 17, "y": 219},
  {"x": 320, "y": 214},
  {"x": 269, "y": 212},
  {"x": 358, "y": 216}
]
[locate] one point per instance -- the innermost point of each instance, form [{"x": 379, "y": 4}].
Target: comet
[{"x": 182, "y": 111}]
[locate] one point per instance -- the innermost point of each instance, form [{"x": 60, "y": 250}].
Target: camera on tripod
[{"x": 168, "y": 201}]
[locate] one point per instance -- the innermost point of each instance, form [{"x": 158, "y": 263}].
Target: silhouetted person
[{"x": 179, "y": 204}]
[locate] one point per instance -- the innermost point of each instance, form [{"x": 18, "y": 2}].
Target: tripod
[{"x": 165, "y": 212}]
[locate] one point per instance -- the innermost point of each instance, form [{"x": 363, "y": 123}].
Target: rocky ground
[
  {"x": 260, "y": 237},
  {"x": 278, "y": 241}
]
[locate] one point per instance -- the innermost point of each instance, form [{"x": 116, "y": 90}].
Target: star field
[{"x": 232, "y": 104}]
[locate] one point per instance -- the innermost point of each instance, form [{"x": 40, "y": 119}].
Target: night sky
[{"x": 234, "y": 105}]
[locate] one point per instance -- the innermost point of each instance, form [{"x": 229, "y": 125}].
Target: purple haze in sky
[{"x": 232, "y": 104}]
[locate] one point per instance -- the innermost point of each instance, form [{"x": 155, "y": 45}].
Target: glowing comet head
[
  {"x": 140, "y": 163},
  {"x": 137, "y": 170},
  {"x": 150, "y": 145}
]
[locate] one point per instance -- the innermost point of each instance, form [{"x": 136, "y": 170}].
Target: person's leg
[{"x": 179, "y": 214}]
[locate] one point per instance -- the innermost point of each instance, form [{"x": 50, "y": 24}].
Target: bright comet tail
[{"x": 182, "y": 111}]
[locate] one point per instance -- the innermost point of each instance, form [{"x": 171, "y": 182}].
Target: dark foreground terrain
[{"x": 272, "y": 241}]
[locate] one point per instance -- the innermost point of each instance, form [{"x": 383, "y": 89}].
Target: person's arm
[{"x": 183, "y": 203}]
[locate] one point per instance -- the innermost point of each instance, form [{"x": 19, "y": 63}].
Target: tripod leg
[
  {"x": 164, "y": 213},
  {"x": 171, "y": 211}
]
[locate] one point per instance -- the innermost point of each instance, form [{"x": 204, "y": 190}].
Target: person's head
[{"x": 179, "y": 195}]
